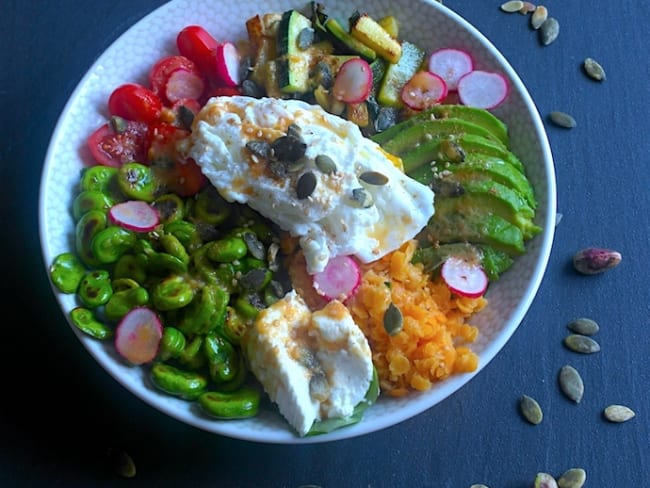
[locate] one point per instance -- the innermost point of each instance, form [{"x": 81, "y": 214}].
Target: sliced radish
[
  {"x": 451, "y": 65},
  {"x": 228, "y": 63},
  {"x": 464, "y": 277},
  {"x": 423, "y": 90},
  {"x": 138, "y": 335},
  {"x": 482, "y": 89},
  {"x": 134, "y": 215},
  {"x": 183, "y": 83},
  {"x": 339, "y": 280},
  {"x": 353, "y": 81}
]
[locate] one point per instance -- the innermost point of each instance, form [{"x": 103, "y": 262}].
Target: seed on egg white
[
  {"x": 306, "y": 185},
  {"x": 325, "y": 164},
  {"x": 362, "y": 198},
  {"x": 373, "y": 178}
]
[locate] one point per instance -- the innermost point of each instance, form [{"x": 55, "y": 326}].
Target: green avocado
[
  {"x": 477, "y": 116},
  {"x": 414, "y": 135},
  {"x": 437, "y": 149}
]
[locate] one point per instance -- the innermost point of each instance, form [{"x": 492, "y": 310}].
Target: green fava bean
[
  {"x": 111, "y": 243},
  {"x": 90, "y": 200},
  {"x": 163, "y": 263},
  {"x": 87, "y": 227},
  {"x": 95, "y": 288},
  {"x": 171, "y": 293},
  {"x": 136, "y": 181},
  {"x": 206, "y": 312},
  {"x": 129, "y": 266},
  {"x": 184, "y": 384},
  {"x": 85, "y": 320},
  {"x": 172, "y": 245},
  {"x": 99, "y": 178},
  {"x": 223, "y": 359},
  {"x": 192, "y": 355},
  {"x": 66, "y": 272},
  {"x": 170, "y": 206},
  {"x": 122, "y": 301},
  {"x": 227, "y": 250},
  {"x": 210, "y": 207},
  {"x": 235, "y": 326},
  {"x": 172, "y": 343},
  {"x": 186, "y": 232},
  {"x": 248, "y": 306},
  {"x": 243, "y": 403}
]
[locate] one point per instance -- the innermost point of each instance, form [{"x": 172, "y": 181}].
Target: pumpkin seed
[
  {"x": 393, "y": 320},
  {"x": 545, "y": 480},
  {"x": 571, "y": 383},
  {"x": 581, "y": 343},
  {"x": 296, "y": 166},
  {"x": 530, "y": 409},
  {"x": 562, "y": 119},
  {"x": 121, "y": 462},
  {"x": 593, "y": 69},
  {"x": 294, "y": 131},
  {"x": 306, "y": 185},
  {"x": 254, "y": 279},
  {"x": 446, "y": 188},
  {"x": 362, "y": 198},
  {"x": 549, "y": 30},
  {"x": 527, "y": 8},
  {"x": 583, "y": 326},
  {"x": 540, "y": 14},
  {"x": 618, "y": 413},
  {"x": 288, "y": 148},
  {"x": 325, "y": 164},
  {"x": 305, "y": 38},
  {"x": 512, "y": 6},
  {"x": 374, "y": 178},
  {"x": 254, "y": 245},
  {"x": 479, "y": 485},
  {"x": 278, "y": 168},
  {"x": 319, "y": 388},
  {"x": 260, "y": 148},
  {"x": 572, "y": 478},
  {"x": 452, "y": 150}
]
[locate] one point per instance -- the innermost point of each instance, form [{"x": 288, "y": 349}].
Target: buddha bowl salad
[{"x": 299, "y": 220}]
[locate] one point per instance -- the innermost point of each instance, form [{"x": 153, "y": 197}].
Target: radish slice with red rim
[
  {"x": 483, "y": 89},
  {"x": 228, "y": 63},
  {"x": 183, "y": 83},
  {"x": 353, "y": 81},
  {"x": 423, "y": 90},
  {"x": 463, "y": 277},
  {"x": 138, "y": 335},
  {"x": 451, "y": 65},
  {"x": 339, "y": 280},
  {"x": 134, "y": 215}
]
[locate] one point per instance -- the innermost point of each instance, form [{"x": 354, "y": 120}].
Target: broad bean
[
  {"x": 85, "y": 320},
  {"x": 239, "y": 404},
  {"x": 66, "y": 272},
  {"x": 206, "y": 312},
  {"x": 109, "y": 244},
  {"x": 172, "y": 343},
  {"x": 136, "y": 181},
  {"x": 184, "y": 384},
  {"x": 90, "y": 200},
  {"x": 172, "y": 292},
  {"x": 100, "y": 178},
  {"x": 87, "y": 227},
  {"x": 210, "y": 207},
  {"x": 95, "y": 288},
  {"x": 223, "y": 359},
  {"x": 123, "y": 300},
  {"x": 170, "y": 206},
  {"x": 227, "y": 250}
]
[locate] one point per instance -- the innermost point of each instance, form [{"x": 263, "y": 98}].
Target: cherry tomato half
[
  {"x": 114, "y": 148},
  {"x": 197, "y": 44},
  {"x": 135, "y": 102}
]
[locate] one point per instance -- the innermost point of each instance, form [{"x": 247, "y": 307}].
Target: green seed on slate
[
  {"x": 593, "y": 69},
  {"x": 549, "y": 30},
  {"x": 581, "y": 343},
  {"x": 545, "y": 480},
  {"x": 618, "y": 413},
  {"x": 540, "y": 14},
  {"x": 583, "y": 326},
  {"x": 572, "y": 478},
  {"x": 530, "y": 409},
  {"x": 571, "y": 383},
  {"x": 562, "y": 119},
  {"x": 512, "y": 6}
]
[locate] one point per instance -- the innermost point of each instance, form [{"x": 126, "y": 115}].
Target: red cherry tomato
[
  {"x": 135, "y": 102},
  {"x": 197, "y": 44},
  {"x": 160, "y": 72},
  {"x": 224, "y": 91},
  {"x": 112, "y": 148},
  {"x": 178, "y": 173}
]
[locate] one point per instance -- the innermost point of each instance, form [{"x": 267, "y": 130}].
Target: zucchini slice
[{"x": 293, "y": 62}]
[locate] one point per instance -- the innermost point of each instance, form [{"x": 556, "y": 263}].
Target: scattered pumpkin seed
[
  {"x": 581, "y": 343},
  {"x": 278, "y": 168},
  {"x": 305, "y": 38},
  {"x": 527, "y": 8},
  {"x": 294, "y": 131},
  {"x": 562, "y": 119},
  {"x": 618, "y": 413},
  {"x": 374, "y": 178},
  {"x": 296, "y": 166},
  {"x": 325, "y": 164},
  {"x": 593, "y": 69},
  {"x": 545, "y": 480},
  {"x": 479, "y": 485},
  {"x": 254, "y": 245},
  {"x": 594, "y": 260},
  {"x": 393, "y": 320},
  {"x": 452, "y": 151},
  {"x": 540, "y": 14},
  {"x": 445, "y": 188},
  {"x": 571, "y": 383},
  {"x": 583, "y": 326},
  {"x": 362, "y": 198},
  {"x": 572, "y": 478},
  {"x": 121, "y": 462},
  {"x": 512, "y": 6},
  {"x": 260, "y": 148},
  {"x": 288, "y": 148},
  {"x": 549, "y": 30},
  {"x": 306, "y": 185},
  {"x": 530, "y": 409},
  {"x": 253, "y": 280}
]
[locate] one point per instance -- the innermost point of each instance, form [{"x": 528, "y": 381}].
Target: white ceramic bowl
[{"x": 427, "y": 24}]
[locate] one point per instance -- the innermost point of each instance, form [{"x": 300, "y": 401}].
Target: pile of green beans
[{"x": 207, "y": 270}]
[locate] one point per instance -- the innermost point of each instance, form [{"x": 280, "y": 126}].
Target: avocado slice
[
  {"x": 493, "y": 261},
  {"x": 477, "y": 116},
  {"x": 435, "y": 150},
  {"x": 409, "y": 138},
  {"x": 471, "y": 223}
]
